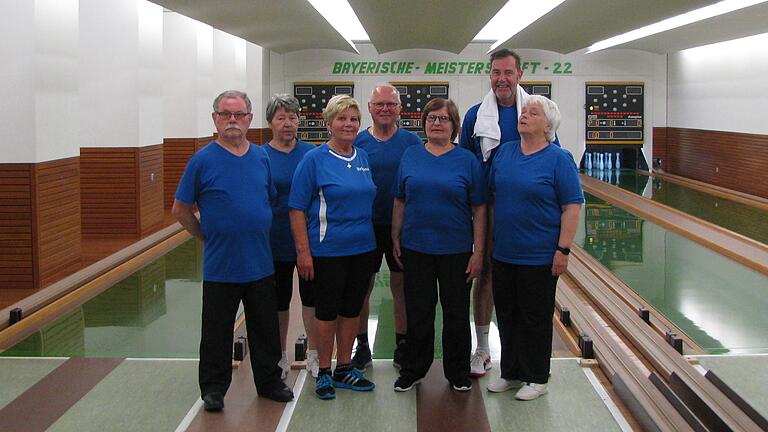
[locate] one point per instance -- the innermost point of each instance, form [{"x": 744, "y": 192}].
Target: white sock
[
  {"x": 311, "y": 353},
  {"x": 482, "y": 338},
  {"x": 285, "y": 356}
]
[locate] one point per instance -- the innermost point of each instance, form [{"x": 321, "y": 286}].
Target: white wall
[
  {"x": 254, "y": 82},
  {"x": 721, "y": 86},
  {"x": 38, "y": 80},
  {"x": 179, "y": 77},
  {"x": 468, "y": 89}
]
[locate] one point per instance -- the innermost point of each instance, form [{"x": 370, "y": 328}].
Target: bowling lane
[
  {"x": 718, "y": 303},
  {"x": 732, "y": 215},
  {"x": 153, "y": 313}
]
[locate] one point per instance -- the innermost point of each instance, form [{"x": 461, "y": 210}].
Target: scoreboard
[
  {"x": 313, "y": 97},
  {"x": 414, "y": 96},
  {"x": 614, "y": 112},
  {"x": 543, "y": 88}
]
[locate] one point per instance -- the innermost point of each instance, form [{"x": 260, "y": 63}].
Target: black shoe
[
  {"x": 403, "y": 384},
  {"x": 348, "y": 377},
  {"x": 281, "y": 393},
  {"x": 397, "y": 360},
  {"x": 462, "y": 384},
  {"x": 213, "y": 402},
  {"x": 362, "y": 358}
]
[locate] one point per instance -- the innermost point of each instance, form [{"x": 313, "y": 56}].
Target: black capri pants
[
  {"x": 284, "y": 285},
  {"x": 341, "y": 284}
]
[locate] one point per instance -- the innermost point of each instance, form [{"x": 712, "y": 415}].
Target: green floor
[
  {"x": 746, "y": 375},
  {"x": 717, "y": 302}
]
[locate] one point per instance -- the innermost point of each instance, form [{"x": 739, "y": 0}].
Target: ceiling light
[
  {"x": 340, "y": 15},
  {"x": 706, "y": 12},
  {"x": 513, "y": 18}
]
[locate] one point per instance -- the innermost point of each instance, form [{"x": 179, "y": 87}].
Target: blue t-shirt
[
  {"x": 336, "y": 193},
  {"x": 530, "y": 192},
  {"x": 283, "y": 166},
  {"x": 384, "y": 157},
  {"x": 233, "y": 195},
  {"x": 439, "y": 193},
  {"x": 507, "y": 125}
]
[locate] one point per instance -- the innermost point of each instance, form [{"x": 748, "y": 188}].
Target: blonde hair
[{"x": 337, "y": 104}]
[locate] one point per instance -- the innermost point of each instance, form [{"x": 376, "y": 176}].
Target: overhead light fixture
[
  {"x": 693, "y": 16},
  {"x": 341, "y": 17},
  {"x": 513, "y": 18}
]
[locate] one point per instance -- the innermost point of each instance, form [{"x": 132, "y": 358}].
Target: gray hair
[
  {"x": 232, "y": 94},
  {"x": 284, "y": 101},
  {"x": 551, "y": 111},
  {"x": 387, "y": 86}
]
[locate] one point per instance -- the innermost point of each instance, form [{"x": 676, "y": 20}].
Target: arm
[
  {"x": 569, "y": 219},
  {"x": 186, "y": 217},
  {"x": 301, "y": 239},
  {"x": 475, "y": 265},
  {"x": 397, "y": 227}
]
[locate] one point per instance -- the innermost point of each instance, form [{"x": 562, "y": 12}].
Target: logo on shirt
[
  {"x": 349, "y": 165},
  {"x": 362, "y": 169}
]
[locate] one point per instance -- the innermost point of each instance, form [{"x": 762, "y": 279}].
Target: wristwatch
[{"x": 564, "y": 250}]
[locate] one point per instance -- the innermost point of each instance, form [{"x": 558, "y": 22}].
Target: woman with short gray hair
[
  {"x": 535, "y": 185},
  {"x": 285, "y": 152}
]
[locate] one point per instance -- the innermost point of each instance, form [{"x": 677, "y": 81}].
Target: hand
[
  {"x": 396, "y": 252},
  {"x": 474, "y": 266},
  {"x": 559, "y": 263},
  {"x": 305, "y": 266}
]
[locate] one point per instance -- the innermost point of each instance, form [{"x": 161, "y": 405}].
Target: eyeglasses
[
  {"x": 227, "y": 115},
  {"x": 380, "y": 105},
  {"x": 433, "y": 118}
]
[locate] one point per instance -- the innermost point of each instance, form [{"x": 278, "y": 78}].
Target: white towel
[{"x": 487, "y": 130}]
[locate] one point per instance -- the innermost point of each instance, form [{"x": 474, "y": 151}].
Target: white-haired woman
[
  {"x": 331, "y": 204},
  {"x": 536, "y": 208}
]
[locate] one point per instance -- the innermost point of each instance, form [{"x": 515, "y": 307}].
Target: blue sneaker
[
  {"x": 362, "y": 358},
  {"x": 348, "y": 377},
  {"x": 324, "y": 387}
]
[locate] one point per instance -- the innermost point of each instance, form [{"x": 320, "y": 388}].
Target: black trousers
[
  {"x": 525, "y": 301},
  {"x": 424, "y": 276},
  {"x": 220, "y": 303}
]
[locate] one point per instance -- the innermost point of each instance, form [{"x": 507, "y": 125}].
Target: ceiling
[{"x": 450, "y": 25}]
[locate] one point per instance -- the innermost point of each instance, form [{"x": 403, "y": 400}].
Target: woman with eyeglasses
[{"x": 438, "y": 236}]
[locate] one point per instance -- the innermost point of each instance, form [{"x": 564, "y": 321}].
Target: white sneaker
[
  {"x": 531, "y": 391},
  {"x": 501, "y": 385},
  {"x": 284, "y": 365},
  {"x": 313, "y": 363},
  {"x": 479, "y": 363}
]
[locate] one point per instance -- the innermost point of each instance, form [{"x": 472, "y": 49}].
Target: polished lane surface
[
  {"x": 717, "y": 302},
  {"x": 735, "y": 216}
]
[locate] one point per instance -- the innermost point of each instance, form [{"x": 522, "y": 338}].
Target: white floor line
[
  {"x": 622, "y": 422},
  {"x": 731, "y": 355},
  {"x": 702, "y": 370},
  {"x": 187, "y": 420},
  {"x": 285, "y": 419}
]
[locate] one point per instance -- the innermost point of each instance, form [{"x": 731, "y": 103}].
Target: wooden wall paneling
[
  {"x": 203, "y": 141},
  {"x": 57, "y": 219},
  {"x": 150, "y": 187},
  {"x": 732, "y": 160},
  {"x": 176, "y": 153},
  {"x": 16, "y": 227},
  {"x": 660, "y": 147},
  {"x": 109, "y": 192}
]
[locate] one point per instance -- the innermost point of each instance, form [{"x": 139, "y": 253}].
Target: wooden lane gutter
[{"x": 737, "y": 247}]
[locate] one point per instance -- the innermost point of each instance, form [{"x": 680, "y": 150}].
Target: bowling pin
[
  {"x": 600, "y": 162},
  {"x": 588, "y": 161},
  {"x": 618, "y": 161},
  {"x": 608, "y": 164}
]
